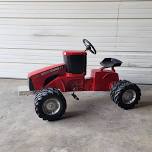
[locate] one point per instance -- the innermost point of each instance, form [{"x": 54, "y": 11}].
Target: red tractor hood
[{"x": 57, "y": 68}]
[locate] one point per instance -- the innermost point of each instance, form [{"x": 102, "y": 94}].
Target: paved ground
[{"x": 95, "y": 124}]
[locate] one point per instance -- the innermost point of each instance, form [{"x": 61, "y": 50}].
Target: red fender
[{"x": 56, "y": 83}]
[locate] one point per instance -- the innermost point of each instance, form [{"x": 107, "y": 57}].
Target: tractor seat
[{"x": 110, "y": 62}]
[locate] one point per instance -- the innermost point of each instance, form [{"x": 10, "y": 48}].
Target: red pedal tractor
[{"x": 48, "y": 83}]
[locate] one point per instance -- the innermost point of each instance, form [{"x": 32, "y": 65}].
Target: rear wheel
[
  {"x": 50, "y": 104},
  {"x": 125, "y": 94}
]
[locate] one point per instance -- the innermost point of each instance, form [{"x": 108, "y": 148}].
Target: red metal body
[{"x": 55, "y": 76}]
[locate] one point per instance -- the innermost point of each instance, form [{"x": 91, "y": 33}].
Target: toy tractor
[{"x": 48, "y": 83}]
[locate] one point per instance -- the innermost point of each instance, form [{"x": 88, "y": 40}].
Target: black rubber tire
[
  {"x": 45, "y": 94},
  {"x": 115, "y": 87},
  {"x": 119, "y": 88}
]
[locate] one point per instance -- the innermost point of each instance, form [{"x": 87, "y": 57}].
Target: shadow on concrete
[
  {"x": 72, "y": 114},
  {"x": 143, "y": 104},
  {"x": 88, "y": 106}
]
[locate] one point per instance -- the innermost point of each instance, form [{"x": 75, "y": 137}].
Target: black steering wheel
[{"x": 89, "y": 46}]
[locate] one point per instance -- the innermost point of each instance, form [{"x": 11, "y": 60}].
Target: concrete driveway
[{"x": 95, "y": 124}]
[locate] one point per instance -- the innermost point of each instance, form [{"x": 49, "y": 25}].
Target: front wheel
[
  {"x": 50, "y": 104},
  {"x": 125, "y": 94}
]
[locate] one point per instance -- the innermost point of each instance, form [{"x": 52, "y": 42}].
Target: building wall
[{"x": 34, "y": 33}]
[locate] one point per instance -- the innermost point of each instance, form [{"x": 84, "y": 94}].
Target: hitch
[{"x": 74, "y": 96}]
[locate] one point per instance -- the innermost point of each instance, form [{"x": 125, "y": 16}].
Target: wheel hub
[
  {"x": 129, "y": 96},
  {"x": 51, "y": 106}
]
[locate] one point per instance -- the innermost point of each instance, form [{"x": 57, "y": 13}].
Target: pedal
[{"x": 75, "y": 96}]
